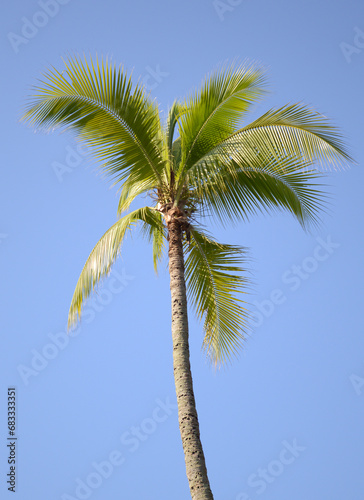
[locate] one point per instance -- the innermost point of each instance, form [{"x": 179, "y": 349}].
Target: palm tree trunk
[{"x": 187, "y": 414}]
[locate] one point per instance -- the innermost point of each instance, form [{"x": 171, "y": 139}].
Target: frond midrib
[
  {"x": 118, "y": 118},
  {"x": 289, "y": 126}
]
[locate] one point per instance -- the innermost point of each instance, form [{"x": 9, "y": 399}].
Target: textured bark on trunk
[{"x": 187, "y": 414}]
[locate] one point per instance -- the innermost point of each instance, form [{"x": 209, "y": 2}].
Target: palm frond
[
  {"x": 175, "y": 113},
  {"x": 294, "y": 131},
  {"x": 97, "y": 101},
  {"x": 177, "y": 152},
  {"x": 234, "y": 191},
  {"x": 214, "y": 281},
  {"x": 156, "y": 233},
  {"x": 103, "y": 255},
  {"x": 214, "y": 112},
  {"x": 130, "y": 190}
]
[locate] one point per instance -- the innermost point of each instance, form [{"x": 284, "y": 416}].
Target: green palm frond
[
  {"x": 130, "y": 190},
  {"x": 294, "y": 131},
  {"x": 234, "y": 191},
  {"x": 214, "y": 112},
  {"x": 156, "y": 233},
  {"x": 103, "y": 256},
  {"x": 214, "y": 281},
  {"x": 177, "y": 151},
  {"x": 176, "y": 111},
  {"x": 98, "y": 102}
]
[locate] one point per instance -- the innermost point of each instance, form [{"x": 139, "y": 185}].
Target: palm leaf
[
  {"x": 294, "y": 131},
  {"x": 156, "y": 233},
  {"x": 97, "y": 101},
  {"x": 176, "y": 152},
  {"x": 214, "y": 112},
  {"x": 213, "y": 275},
  {"x": 175, "y": 113},
  {"x": 103, "y": 255},
  {"x": 130, "y": 190},
  {"x": 235, "y": 191}
]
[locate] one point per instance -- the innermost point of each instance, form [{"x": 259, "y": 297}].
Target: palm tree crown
[{"x": 202, "y": 161}]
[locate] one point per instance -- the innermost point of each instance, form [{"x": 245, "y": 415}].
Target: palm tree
[{"x": 201, "y": 162}]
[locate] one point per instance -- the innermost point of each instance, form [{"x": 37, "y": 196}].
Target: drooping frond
[
  {"x": 130, "y": 190},
  {"x": 98, "y": 102},
  {"x": 214, "y": 112},
  {"x": 103, "y": 256},
  {"x": 234, "y": 191},
  {"x": 156, "y": 233},
  {"x": 214, "y": 283}
]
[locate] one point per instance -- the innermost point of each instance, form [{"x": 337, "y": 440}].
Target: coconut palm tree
[{"x": 203, "y": 161}]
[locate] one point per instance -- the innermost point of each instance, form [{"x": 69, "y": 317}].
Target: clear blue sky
[{"x": 95, "y": 411}]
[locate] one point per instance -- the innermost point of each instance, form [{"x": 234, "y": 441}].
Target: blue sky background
[{"x": 299, "y": 383}]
